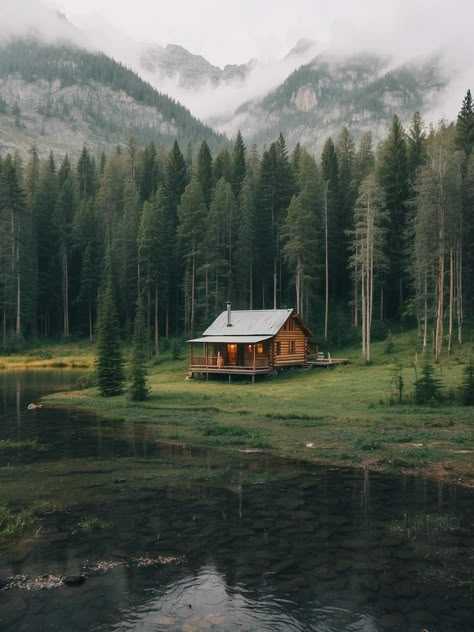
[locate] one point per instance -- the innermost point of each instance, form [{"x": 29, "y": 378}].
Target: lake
[{"x": 173, "y": 538}]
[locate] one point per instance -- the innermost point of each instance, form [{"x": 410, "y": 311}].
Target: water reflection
[{"x": 245, "y": 543}]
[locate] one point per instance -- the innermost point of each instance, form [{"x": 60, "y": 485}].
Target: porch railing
[{"x": 211, "y": 362}]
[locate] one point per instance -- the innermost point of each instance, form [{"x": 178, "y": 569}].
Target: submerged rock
[{"x": 74, "y": 580}]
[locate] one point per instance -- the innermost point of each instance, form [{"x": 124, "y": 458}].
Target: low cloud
[{"x": 402, "y": 31}]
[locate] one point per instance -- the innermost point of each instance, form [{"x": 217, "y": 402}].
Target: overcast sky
[{"x": 232, "y": 31}]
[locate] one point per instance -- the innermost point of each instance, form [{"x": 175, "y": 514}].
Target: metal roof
[
  {"x": 232, "y": 339},
  {"x": 246, "y": 322}
]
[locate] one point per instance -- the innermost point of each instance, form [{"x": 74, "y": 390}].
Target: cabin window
[
  {"x": 278, "y": 348},
  {"x": 291, "y": 346},
  {"x": 260, "y": 348},
  {"x": 291, "y": 324}
]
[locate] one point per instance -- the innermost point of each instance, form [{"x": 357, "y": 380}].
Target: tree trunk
[
  {"x": 326, "y": 310},
  {"x": 65, "y": 293},
  {"x": 459, "y": 289},
  {"x": 251, "y": 287},
  {"x": 193, "y": 277},
  {"x": 451, "y": 299},
  {"x": 90, "y": 322},
  {"x": 425, "y": 315},
  {"x": 157, "y": 332},
  {"x": 18, "y": 293},
  {"x": 298, "y": 285}
]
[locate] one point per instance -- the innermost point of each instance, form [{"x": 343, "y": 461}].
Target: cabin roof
[
  {"x": 229, "y": 339},
  {"x": 249, "y": 322}
]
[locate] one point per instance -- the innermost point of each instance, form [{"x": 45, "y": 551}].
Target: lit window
[{"x": 260, "y": 348}]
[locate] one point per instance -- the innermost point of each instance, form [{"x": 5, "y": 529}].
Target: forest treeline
[{"x": 356, "y": 235}]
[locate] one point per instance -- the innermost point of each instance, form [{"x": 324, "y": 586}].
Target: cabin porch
[{"x": 247, "y": 357}]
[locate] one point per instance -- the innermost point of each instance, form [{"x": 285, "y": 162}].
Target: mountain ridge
[{"x": 66, "y": 96}]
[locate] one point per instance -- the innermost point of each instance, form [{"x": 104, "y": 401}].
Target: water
[{"x": 176, "y": 539}]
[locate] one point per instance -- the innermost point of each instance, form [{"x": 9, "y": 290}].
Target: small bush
[
  {"x": 13, "y": 525},
  {"x": 176, "y": 349},
  {"x": 389, "y": 345},
  {"x": 468, "y": 384},
  {"x": 88, "y": 380},
  {"x": 368, "y": 443},
  {"x": 427, "y": 386}
]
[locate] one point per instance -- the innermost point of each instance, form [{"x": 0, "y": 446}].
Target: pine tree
[
  {"x": 204, "y": 171},
  {"x": 468, "y": 384},
  {"x": 149, "y": 173},
  {"x": 223, "y": 166},
  {"x": 109, "y": 361},
  {"x": 368, "y": 246},
  {"x": 238, "y": 165},
  {"x": 416, "y": 150},
  {"x": 393, "y": 177},
  {"x": 427, "y": 386},
  {"x": 86, "y": 176},
  {"x": 333, "y": 237},
  {"x": 465, "y": 125},
  {"x": 191, "y": 213},
  {"x": 138, "y": 389},
  {"x": 300, "y": 238},
  {"x": 245, "y": 241},
  {"x": 12, "y": 212},
  {"x": 364, "y": 160},
  {"x": 63, "y": 223}
]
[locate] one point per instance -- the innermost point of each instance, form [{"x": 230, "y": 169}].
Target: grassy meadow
[{"x": 347, "y": 415}]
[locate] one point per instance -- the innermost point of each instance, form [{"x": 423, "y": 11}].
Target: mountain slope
[
  {"x": 190, "y": 70},
  {"x": 361, "y": 92},
  {"x": 61, "y": 97}
]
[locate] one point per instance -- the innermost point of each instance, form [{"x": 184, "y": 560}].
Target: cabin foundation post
[
  {"x": 253, "y": 378},
  {"x": 230, "y": 378}
]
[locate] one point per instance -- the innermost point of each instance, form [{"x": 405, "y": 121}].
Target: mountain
[
  {"x": 62, "y": 97},
  {"x": 361, "y": 92},
  {"x": 190, "y": 71}
]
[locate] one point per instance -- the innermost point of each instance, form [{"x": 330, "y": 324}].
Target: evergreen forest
[{"x": 354, "y": 239}]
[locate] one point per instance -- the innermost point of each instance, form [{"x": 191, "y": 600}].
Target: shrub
[
  {"x": 468, "y": 384},
  {"x": 427, "y": 386},
  {"x": 176, "y": 349}
]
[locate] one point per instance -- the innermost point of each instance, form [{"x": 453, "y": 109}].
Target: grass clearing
[{"x": 346, "y": 414}]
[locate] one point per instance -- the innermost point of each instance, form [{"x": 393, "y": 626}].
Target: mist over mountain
[
  {"x": 308, "y": 92},
  {"x": 61, "y": 97},
  {"x": 360, "y": 92}
]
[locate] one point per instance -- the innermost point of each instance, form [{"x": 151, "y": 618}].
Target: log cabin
[{"x": 250, "y": 342}]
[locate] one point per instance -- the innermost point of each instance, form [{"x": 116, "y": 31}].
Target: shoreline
[{"x": 341, "y": 416}]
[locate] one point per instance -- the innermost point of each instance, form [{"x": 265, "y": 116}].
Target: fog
[{"x": 234, "y": 32}]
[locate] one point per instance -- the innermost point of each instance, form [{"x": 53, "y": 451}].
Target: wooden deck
[
  {"x": 327, "y": 362},
  {"x": 204, "y": 370}
]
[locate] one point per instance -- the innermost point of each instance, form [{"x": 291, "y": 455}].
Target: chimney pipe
[{"x": 229, "y": 315}]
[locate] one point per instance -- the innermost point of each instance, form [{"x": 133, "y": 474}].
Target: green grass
[
  {"x": 92, "y": 523},
  {"x": 350, "y": 414},
  {"x": 15, "y": 524},
  {"x": 65, "y": 354},
  {"x": 29, "y": 444}
]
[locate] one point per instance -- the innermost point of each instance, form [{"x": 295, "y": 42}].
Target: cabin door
[{"x": 232, "y": 354}]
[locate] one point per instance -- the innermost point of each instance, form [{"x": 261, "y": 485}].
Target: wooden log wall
[{"x": 285, "y": 336}]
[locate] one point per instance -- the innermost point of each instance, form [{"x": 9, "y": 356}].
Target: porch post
[
  {"x": 254, "y": 358},
  {"x": 192, "y": 353},
  {"x": 205, "y": 351}
]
